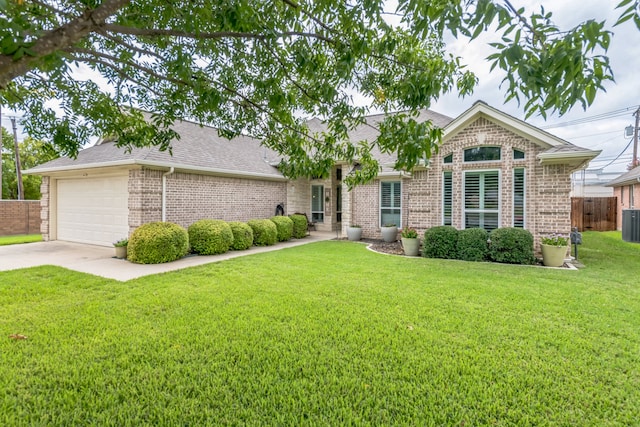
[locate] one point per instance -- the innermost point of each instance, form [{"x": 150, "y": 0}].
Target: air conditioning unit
[{"x": 631, "y": 225}]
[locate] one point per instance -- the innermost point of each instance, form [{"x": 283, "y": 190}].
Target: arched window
[{"x": 482, "y": 154}]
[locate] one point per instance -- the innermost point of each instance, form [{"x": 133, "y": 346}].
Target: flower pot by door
[
  {"x": 121, "y": 252},
  {"x": 354, "y": 233},
  {"x": 553, "y": 256},
  {"x": 410, "y": 246},
  {"x": 389, "y": 234}
]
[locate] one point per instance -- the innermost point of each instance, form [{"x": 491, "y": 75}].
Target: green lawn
[
  {"x": 328, "y": 334},
  {"x": 21, "y": 238}
]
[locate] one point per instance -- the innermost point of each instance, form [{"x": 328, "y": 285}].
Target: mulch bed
[{"x": 395, "y": 248}]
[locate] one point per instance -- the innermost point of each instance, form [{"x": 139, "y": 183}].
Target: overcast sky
[{"x": 624, "y": 54}]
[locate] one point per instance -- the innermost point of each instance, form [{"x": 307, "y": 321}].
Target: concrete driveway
[{"x": 99, "y": 260}]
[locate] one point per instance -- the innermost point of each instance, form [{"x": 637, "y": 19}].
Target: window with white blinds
[
  {"x": 317, "y": 203},
  {"x": 390, "y": 203},
  {"x": 518, "y": 198},
  {"x": 447, "y": 198},
  {"x": 482, "y": 200}
]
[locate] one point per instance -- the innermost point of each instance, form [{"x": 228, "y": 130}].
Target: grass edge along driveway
[{"x": 328, "y": 333}]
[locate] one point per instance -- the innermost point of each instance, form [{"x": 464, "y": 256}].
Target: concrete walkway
[{"x": 100, "y": 261}]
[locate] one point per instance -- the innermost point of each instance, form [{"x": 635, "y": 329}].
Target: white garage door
[{"x": 93, "y": 210}]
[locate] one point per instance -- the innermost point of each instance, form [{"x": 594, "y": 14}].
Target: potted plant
[
  {"x": 354, "y": 232},
  {"x": 389, "y": 232},
  {"x": 410, "y": 241},
  {"x": 121, "y": 248},
  {"x": 554, "y": 250}
]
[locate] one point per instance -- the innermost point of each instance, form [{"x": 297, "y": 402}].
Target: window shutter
[
  {"x": 482, "y": 199},
  {"x": 518, "y": 198},
  {"x": 447, "y": 202},
  {"x": 472, "y": 191}
]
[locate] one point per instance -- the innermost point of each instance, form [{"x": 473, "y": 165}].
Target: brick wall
[
  {"x": 19, "y": 217},
  {"x": 145, "y": 197},
  {"x": 548, "y": 206},
  {"x": 628, "y": 198},
  {"x": 45, "y": 205},
  {"x": 192, "y": 197}
]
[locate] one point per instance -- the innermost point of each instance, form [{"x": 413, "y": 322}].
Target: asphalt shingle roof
[
  {"x": 626, "y": 178},
  {"x": 200, "y": 147}
]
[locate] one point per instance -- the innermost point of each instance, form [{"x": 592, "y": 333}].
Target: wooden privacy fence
[
  {"x": 19, "y": 217},
  {"x": 594, "y": 213}
]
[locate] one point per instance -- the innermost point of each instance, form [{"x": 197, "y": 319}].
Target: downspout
[{"x": 164, "y": 193}]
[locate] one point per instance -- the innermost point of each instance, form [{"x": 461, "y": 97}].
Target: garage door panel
[{"x": 93, "y": 210}]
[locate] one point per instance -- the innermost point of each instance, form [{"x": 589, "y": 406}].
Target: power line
[
  {"x": 618, "y": 156},
  {"x": 603, "y": 116}
]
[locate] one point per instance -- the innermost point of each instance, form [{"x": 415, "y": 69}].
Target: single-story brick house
[
  {"x": 626, "y": 188},
  {"x": 492, "y": 170}
]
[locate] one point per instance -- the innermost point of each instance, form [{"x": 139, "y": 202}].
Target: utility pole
[
  {"x": 18, "y": 166},
  {"x": 634, "y": 162}
]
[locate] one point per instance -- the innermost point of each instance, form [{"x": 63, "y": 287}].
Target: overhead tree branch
[
  {"x": 58, "y": 39},
  {"x": 158, "y": 32}
]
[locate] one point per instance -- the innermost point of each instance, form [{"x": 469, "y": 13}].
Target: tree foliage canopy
[{"x": 262, "y": 67}]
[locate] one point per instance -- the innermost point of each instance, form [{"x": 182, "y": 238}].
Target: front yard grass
[
  {"x": 21, "y": 238},
  {"x": 327, "y": 334}
]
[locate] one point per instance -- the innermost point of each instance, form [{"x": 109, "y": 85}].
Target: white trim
[
  {"x": 321, "y": 201},
  {"x": 162, "y": 165},
  {"x": 463, "y": 209},
  {"x": 399, "y": 224},
  {"x": 519, "y": 127}
]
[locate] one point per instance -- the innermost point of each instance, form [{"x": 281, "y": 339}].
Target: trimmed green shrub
[
  {"x": 299, "y": 226},
  {"x": 284, "y": 225},
  {"x": 511, "y": 246},
  {"x": 440, "y": 242},
  {"x": 157, "y": 242},
  {"x": 242, "y": 235},
  {"x": 472, "y": 244},
  {"x": 210, "y": 237},
  {"x": 265, "y": 232}
]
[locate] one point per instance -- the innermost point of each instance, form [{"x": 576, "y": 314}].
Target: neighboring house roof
[
  {"x": 200, "y": 148},
  {"x": 627, "y": 178},
  {"x": 558, "y": 150}
]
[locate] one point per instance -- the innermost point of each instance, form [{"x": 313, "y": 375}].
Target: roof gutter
[
  {"x": 164, "y": 193},
  {"x": 177, "y": 167}
]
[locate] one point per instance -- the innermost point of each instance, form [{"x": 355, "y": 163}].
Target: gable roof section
[
  {"x": 558, "y": 151},
  {"x": 627, "y": 178},
  {"x": 369, "y": 132},
  {"x": 200, "y": 149}
]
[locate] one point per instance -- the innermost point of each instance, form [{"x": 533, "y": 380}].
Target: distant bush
[
  {"x": 299, "y": 225},
  {"x": 284, "y": 225},
  {"x": 265, "y": 232},
  {"x": 440, "y": 242},
  {"x": 511, "y": 245},
  {"x": 242, "y": 235},
  {"x": 210, "y": 237},
  {"x": 472, "y": 244},
  {"x": 157, "y": 242}
]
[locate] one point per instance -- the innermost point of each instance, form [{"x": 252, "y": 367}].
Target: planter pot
[
  {"x": 354, "y": 233},
  {"x": 411, "y": 245},
  {"x": 121, "y": 252},
  {"x": 389, "y": 234},
  {"x": 553, "y": 256}
]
